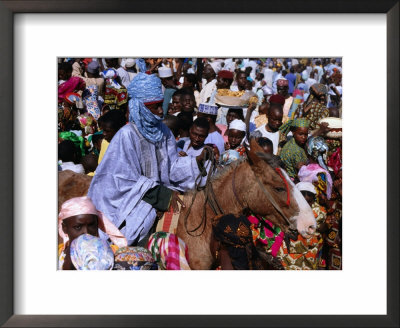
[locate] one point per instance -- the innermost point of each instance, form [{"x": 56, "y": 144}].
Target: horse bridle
[{"x": 266, "y": 193}]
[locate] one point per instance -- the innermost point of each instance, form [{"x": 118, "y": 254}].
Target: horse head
[{"x": 271, "y": 193}]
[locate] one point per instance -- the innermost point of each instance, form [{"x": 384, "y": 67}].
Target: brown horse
[
  {"x": 71, "y": 184},
  {"x": 252, "y": 185}
]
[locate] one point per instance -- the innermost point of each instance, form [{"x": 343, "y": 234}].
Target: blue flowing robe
[{"x": 131, "y": 166}]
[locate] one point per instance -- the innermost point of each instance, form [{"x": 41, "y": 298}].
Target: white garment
[
  {"x": 268, "y": 75},
  {"x": 253, "y": 65},
  {"x": 216, "y": 139},
  {"x": 207, "y": 91},
  {"x": 273, "y": 136},
  {"x": 77, "y": 168},
  {"x": 124, "y": 76},
  {"x": 310, "y": 82}
]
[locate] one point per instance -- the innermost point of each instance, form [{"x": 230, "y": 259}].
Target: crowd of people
[{"x": 145, "y": 130}]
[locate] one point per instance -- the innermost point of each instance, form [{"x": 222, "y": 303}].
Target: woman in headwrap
[
  {"x": 236, "y": 136},
  {"x": 314, "y": 108},
  {"x": 170, "y": 252},
  {"x": 141, "y": 172},
  {"x": 316, "y": 171},
  {"x": 79, "y": 216},
  {"x": 293, "y": 154},
  {"x": 232, "y": 244},
  {"x": 70, "y": 84}
]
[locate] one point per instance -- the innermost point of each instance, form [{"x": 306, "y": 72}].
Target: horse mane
[{"x": 272, "y": 160}]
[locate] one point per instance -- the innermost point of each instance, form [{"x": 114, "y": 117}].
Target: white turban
[
  {"x": 238, "y": 125},
  {"x": 164, "y": 72},
  {"x": 306, "y": 186},
  {"x": 216, "y": 66},
  {"x": 130, "y": 62}
]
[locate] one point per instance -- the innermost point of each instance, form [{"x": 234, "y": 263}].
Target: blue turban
[{"x": 145, "y": 88}]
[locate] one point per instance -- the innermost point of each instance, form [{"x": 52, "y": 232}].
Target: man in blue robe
[{"x": 141, "y": 171}]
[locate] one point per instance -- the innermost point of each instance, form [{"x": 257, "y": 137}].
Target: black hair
[
  {"x": 184, "y": 91},
  {"x": 240, "y": 72},
  {"x": 261, "y": 75},
  {"x": 284, "y": 73},
  {"x": 115, "y": 118},
  {"x": 264, "y": 142},
  {"x": 172, "y": 122},
  {"x": 89, "y": 162},
  {"x": 66, "y": 67},
  {"x": 292, "y": 69},
  {"x": 67, "y": 151},
  {"x": 202, "y": 122},
  {"x": 192, "y": 79},
  {"x": 237, "y": 111},
  {"x": 318, "y": 62},
  {"x": 273, "y": 106},
  {"x": 96, "y": 138},
  {"x": 185, "y": 120},
  {"x": 248, "y": 70}
]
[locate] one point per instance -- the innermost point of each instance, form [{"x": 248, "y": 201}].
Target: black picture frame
[{"x": 7, "y": 199}]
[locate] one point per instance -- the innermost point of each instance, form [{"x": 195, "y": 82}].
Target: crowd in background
[{"x": 142, "y": 129}]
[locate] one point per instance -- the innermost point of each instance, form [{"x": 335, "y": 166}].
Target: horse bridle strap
[{"x": 271, "y": 199}]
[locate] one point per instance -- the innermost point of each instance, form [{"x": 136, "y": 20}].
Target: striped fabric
[{"x": 170, "y": 252}]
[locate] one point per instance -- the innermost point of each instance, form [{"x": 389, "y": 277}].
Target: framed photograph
[{"x": 364, "y": 34}]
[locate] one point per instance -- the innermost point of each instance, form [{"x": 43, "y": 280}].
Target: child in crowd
[
  {"x": 293, "y": 153},
  {"x": 90, "y": 162},
  {"x": 234, "y": 147},
  {"x": 79, "y": 216},
  {"x": 266, "y": 145}
]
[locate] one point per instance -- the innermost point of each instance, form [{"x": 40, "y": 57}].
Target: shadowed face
[
  {"x": 235, "y": 138},
  {"x": 241, "y": 80},
  {"x": 300, "y": 135},
  {"x": 156, "y": 108},
  {"x": 208, "y": 72},
  {"x": 197, "y": 136},
  {"x": 77, "y": 225},
  {"x": 275, "y": 117}
]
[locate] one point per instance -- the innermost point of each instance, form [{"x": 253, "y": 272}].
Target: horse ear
[{"x": 252, "y": 152}]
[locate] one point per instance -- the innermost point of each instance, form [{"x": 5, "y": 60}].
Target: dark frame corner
[{"x": 7, "y": 10}]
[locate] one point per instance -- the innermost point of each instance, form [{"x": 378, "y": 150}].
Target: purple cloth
[{"x": 130, "y": 167}]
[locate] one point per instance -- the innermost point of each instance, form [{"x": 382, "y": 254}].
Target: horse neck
[{"x": 223, "y": 189}]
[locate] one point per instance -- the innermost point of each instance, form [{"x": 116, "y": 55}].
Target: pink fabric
[
  {"x": 223, "y": 128},
  {"x": 73, "y": 84},
  {"x": 83, "y": 205},
  {"x": 310, "y": 172}
]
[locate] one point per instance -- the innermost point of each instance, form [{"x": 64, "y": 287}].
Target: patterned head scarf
[
  {"x": 145, "y": 89},
  {"x": 83, "y": 205},
  {"x": 134, "y": 258},
  {"x": 229, "y": 156},
  {"x": 236, "y": 235},
  {"x": 296, "y": 123},
  {"x": 318, "y": 149},
  {"x": 91, "y": 253},
  {"x": 170, "y": 252},
  {"x": 319, "y": 88},
  {"x": 90, "y": 100}
]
